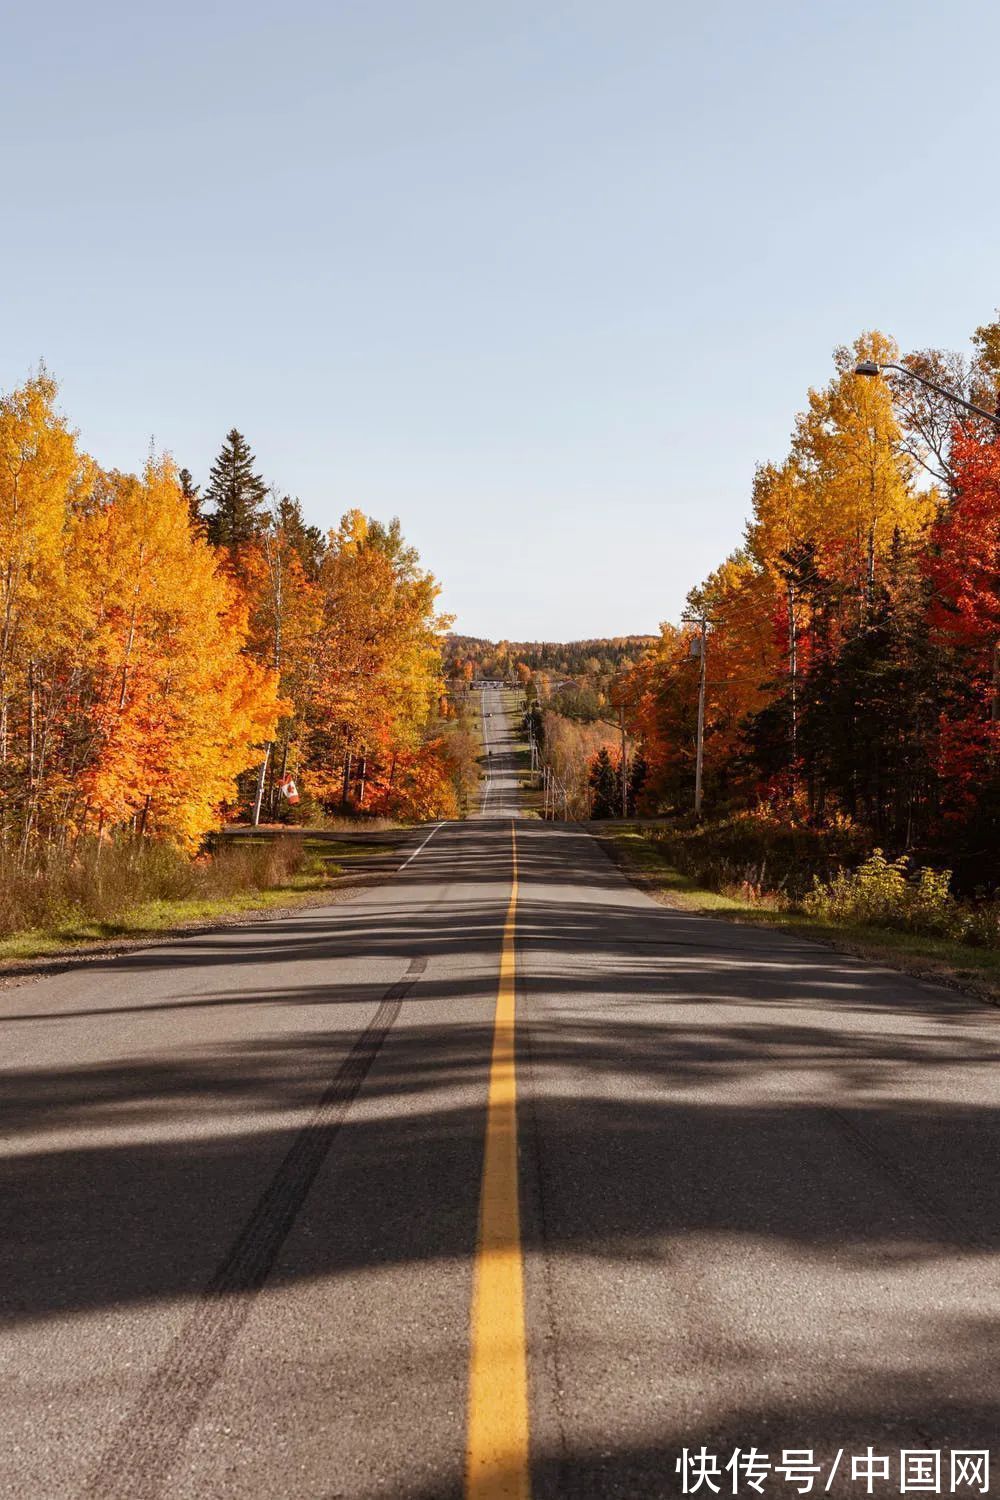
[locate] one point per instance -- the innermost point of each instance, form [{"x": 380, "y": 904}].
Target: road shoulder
[
  {"x": 970, "y": 971},
  {"x": 38, "y": 955}
]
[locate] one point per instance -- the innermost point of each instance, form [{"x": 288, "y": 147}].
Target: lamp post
[{"x": 871, "y": 367}]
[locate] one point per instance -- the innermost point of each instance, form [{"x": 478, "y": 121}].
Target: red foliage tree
[{"x": 963, "y": 563}]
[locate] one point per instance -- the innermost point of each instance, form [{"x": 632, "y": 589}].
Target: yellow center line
[{"x": 497, "y": 1466}]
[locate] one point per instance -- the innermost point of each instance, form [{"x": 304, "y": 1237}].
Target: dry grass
[
  {"x": 359, "y": 825},
  {"x": 103, "y": 883}
]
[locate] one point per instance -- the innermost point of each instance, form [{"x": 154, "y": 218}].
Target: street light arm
[{"x": 872, "y": 367}]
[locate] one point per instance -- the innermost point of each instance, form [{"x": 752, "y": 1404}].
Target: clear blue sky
[{"x": 543, "y": 278}]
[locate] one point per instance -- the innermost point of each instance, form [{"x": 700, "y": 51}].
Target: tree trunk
[{"x": 793, "y": 674}]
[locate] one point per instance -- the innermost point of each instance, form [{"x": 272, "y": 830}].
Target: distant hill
[{"x": 594, "y": 660}]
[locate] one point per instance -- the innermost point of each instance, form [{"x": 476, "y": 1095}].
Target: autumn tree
[
  {"x": 306, "y": 541},
  {"x": 374, "y": 672},
  {"x": 986, "y": 341},
  {"x": 146, "y": 657},
  {"x": 796, "y": 612},
  {"x": 569, "y": 747},
  {"x": 857, "y": 489},
  {"x": 963, "y": 569},
  {"x": 660, "y": 694},
  {"x": 43, "y": 486},
  {"x": 125, "y": 689},
  {"x": 174, "y": 704}
]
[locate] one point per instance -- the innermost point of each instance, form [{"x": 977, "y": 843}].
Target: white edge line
[{"x": 423, "y": 845}]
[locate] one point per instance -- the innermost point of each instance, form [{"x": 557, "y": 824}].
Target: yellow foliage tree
[
  {"x": 125, "y": 693},
  {"x": 176, "y": 705},
  {"x": 375, "y": 657}
]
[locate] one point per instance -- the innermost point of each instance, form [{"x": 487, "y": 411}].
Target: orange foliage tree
[{"x": 125, "y": 693}]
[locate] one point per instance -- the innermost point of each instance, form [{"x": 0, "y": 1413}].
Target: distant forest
[{"x": 586, "y": 660}]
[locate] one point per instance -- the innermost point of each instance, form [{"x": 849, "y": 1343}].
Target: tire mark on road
[{"x": 136, "y": 1464}]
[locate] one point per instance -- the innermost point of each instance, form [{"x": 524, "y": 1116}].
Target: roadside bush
[
  {"x": 827, "y": 872},
  {"x": 983, "y": 925},
  {"x": 881, "y": 891},
  {"x": 759, "y": 857},
  {"x": 888, "y": 893}
]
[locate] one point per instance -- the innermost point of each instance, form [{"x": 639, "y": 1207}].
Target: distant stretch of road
[
  {"x": 653, "y": 1188},
  {"x": 502, "y": 742}
]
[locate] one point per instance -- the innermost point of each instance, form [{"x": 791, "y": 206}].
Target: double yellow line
[{"x": 497, "y": 1459}]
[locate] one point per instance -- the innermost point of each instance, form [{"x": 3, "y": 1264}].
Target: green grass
[{"x": 976, "y": 970}]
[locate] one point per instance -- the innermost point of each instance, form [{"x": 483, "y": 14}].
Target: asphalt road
[
  {"x": 501, "y": 791},
  {"x": 241, "y": 1178}
]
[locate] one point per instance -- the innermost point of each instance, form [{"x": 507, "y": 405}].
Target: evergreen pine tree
[
  {"x": 192, "y": 494},
  {"x": 306, "y": 541},
  {"x": 237, "y": 494},
  {"x": 603, "y": 783},
  {"x": 637, "y": 773}
]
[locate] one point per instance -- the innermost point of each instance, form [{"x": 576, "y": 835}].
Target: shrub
[
  {"x": 885, "y": 893},
  {"x": 828, "y": 871},
  {"x": 759, "y": 856}
]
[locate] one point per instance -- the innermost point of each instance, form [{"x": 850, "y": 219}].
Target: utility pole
[
  {"x": 624, "y": 765},
  {"x": 702, "y": 621},
  {"x": 700, "y": 751}
]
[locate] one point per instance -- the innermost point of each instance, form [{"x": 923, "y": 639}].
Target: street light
[{"x": 872, "y": 367}]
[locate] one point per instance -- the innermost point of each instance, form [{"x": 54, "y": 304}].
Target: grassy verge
[
  {"x": 975, "y": 971},
  {"x": 325, "y": 867}
]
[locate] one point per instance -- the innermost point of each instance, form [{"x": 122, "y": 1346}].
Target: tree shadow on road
[{"x": 687, "y": 1090}]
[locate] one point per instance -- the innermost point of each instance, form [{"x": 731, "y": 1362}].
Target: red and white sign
[{"x": 288, "y": 789}]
